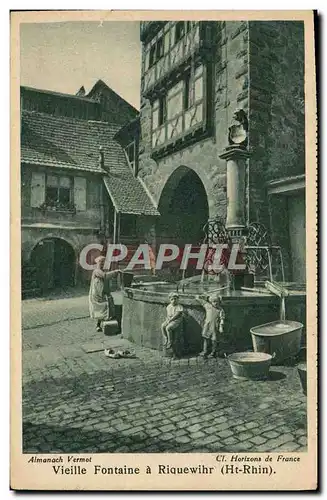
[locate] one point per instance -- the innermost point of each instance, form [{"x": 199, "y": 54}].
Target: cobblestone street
[{"x": 77, "y": 400}]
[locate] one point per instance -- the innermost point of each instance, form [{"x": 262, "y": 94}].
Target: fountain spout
[
  {"x": 281, "y": 292},
  {"x": 276, "y": 289}
]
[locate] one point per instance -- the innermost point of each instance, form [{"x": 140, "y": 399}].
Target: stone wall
[
  {"x": 276, "y": 118},
  {"x": 276, "y": 107}
]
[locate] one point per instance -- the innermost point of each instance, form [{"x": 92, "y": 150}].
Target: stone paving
[{"x": 77, "y": 400}]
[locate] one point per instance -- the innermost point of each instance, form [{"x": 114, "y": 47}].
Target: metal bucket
[
  {"x": 250, "y": 365},
  {"x": 280, "y": 337},
  {"x": 302, "y": 371}
]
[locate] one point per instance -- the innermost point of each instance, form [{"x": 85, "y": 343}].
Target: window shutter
[
  {"x": 37, "y": 189},
  {"x": 80, "y": 193}
]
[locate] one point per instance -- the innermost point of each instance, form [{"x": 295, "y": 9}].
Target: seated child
[
  {"x": 173, "y": 320},
  {"x": 213, "y": 325}
]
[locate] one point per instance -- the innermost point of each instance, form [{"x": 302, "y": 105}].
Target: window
[
  {"x": 159, "y": 49},
  {"x": 58, "y": 191},
  {"x": 193, "y": 87},
  {"x": 159, "y": 112},
  {"x": 167, "y": 42},
  {"x": 156, "y": 52},
  {"x": 175, "y": 100},
  {"x": 188, "y": 94},
  {"x": 188, "y": 26},
  {"x": 155, "y": 116},
  {"x": 162, "y": 111},
  {"x": 181, "y": 28},
  {"x": 180, "y": 109},
  {"x": 152, "y": 58},
  {"x": 179, "y": 31}
]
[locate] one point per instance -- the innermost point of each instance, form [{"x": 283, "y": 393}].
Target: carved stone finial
[{"x": 238, "y": 131}]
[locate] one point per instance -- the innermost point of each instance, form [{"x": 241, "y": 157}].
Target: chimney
[{"x": 101, "y": 158}]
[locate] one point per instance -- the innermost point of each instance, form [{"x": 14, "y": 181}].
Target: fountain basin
[
  {"x": 144, "y": 310},
  {"x": 282, "y": 338}
]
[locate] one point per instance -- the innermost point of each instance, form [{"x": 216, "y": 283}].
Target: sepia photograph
[{"x": 162, "y": 251}]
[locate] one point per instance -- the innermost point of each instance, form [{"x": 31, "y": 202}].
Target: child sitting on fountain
[
  {"x": 213, "y": 325},
  {"x": 174, "y": 319}
]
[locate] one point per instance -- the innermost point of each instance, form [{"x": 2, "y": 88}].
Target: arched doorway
[
  {"x": 184, "y": 209},
  {"x": 53, "y": 260}
]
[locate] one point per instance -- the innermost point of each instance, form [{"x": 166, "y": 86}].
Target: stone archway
[
  {"x": 184, "y": 210},
  {"x": 54, "y": 262}
]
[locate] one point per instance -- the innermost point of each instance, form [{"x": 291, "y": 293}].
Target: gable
[{"x": 113, "y": 107}]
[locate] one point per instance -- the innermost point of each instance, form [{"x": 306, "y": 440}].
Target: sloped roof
[
  {"x": 63, "y": 142},
  {"x": 24, "y": 88},
  {"x": 128, "y": 195},
  {"x": 59, "y": 141}
]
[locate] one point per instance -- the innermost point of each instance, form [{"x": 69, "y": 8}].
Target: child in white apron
[
  {"x": 213, "y": 324},
  {"x": 173, "y": 320}
]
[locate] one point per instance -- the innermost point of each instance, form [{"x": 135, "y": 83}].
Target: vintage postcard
[{"x": 163, "y": 239}]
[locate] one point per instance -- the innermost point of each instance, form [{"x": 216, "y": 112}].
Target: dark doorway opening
[
  {"x": 184, "y": 209},
  {"x": 53, "y": 260},
  {"x": 184, "y": 212}
]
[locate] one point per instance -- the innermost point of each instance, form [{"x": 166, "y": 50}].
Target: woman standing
[{"x": 101, "y": 303}]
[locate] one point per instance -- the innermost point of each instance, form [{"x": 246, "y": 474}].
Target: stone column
[{"x": 235, "y": 157}]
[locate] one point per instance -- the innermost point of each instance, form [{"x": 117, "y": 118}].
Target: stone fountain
[{"x": 246, "y": 304}]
